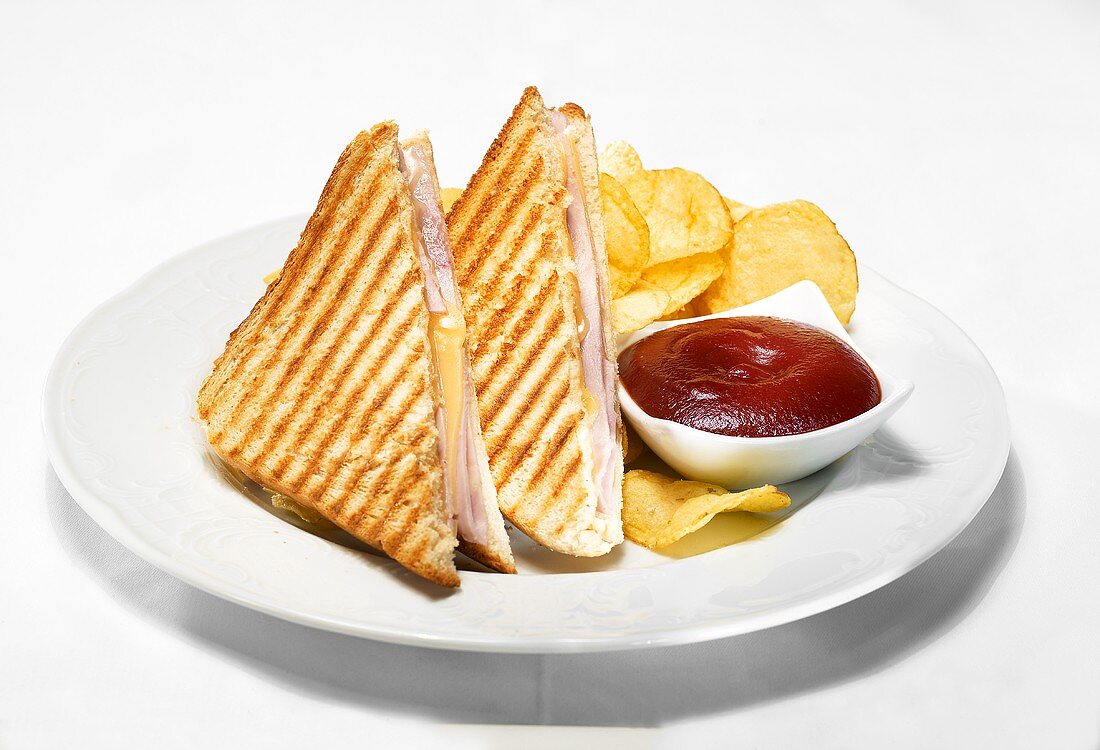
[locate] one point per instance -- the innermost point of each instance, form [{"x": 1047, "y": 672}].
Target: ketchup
[{"x": 752, "y": 376}]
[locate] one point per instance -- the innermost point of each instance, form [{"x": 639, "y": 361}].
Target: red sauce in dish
[{"x": 753, "y": 376}]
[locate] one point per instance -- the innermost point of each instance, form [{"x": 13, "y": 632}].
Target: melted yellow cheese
[{"x": 448, "y": 332}]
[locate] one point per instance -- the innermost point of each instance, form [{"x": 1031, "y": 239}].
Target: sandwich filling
[
  {"x": 456, "y": 412},
  {"x": 597, "y": 364}
]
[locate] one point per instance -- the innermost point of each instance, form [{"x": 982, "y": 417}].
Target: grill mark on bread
[
  {"x": 419, "y": 547},
  {"x": 334, "y": 259},
  {"x": 507, "y": 346},
  {"x": 319, "y": 226},
  {"x": 251, "y": 329},
  {"x": 498, "y": 317},
  {"x": 567, "y": 473},
  {"x": 512, "y": 264},
  {"x": 308, "y": 472},
  {"x": 368, "y": 488},
  {"x": 518, "y": 392},
  {"x": 371, "y": 524},
  {"x": 529, "y": 314},
  {"x": 394, "y": 416},
  {"x": 479, "y": 212},
  {"x": 563, "y": 476},
  {"x": 407, "y": 516},
  {"x": 322, "y": 374},
  {"x": 329, "y": 367},
  {"x": 500, "y": 442},
  {"x": 513, "y": 132},
  {"x": 496, "y": 378},
  {"x": 505, "y": 253},
  {"x": 542, "y": 300},
  {"x": 338, "y": 401},
  {"x": 502, "y": 223},
  {"x": 343, "y": 254},
  {"x": 400, "y": 538},
  {"x": 516, "y": 457},
  {"x": 553, "y": 447},
  {"x": 362, "y": 416},
  {"x": 292, "y": 286},
  {"x": 404, "y": 516}
]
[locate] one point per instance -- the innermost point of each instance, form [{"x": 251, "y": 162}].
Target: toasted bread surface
[
  {"x": 324, "y": 393},
  {"x": 515, "y": 267}
]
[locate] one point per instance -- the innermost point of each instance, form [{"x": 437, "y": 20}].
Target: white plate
[{"x": 118, "y": 413}]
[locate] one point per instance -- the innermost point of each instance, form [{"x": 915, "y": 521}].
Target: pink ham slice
[
  {"x": 462, "y": 488},
  {"x": 597, "y": 365}
]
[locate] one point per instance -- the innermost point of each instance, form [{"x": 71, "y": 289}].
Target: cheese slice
[{"x": 448, "y": 334}]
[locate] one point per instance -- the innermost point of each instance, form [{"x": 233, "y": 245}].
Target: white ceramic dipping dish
[{"x": 739, "y": 462}]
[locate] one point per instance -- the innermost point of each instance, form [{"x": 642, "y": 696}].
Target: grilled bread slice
[
  {"x": 325, "y": 392},
  {"x": 516, "y": 269}
]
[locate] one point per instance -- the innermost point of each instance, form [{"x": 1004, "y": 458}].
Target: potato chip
[
  {"x": 780, "y": 245},
  {"x": 685, "y": 213},
  {"x": 684, "y": 278},
  {"x": 448, "y": 196},
  {"x": 627, "y": 236},
  {"x": 658, "y": 510},
  {"x": 633, "y": 446},
  {"x": 639, "y": 307},
  {"x": 737, "y": 210},
  {"x": 687, "y": 311},
  {"x": 620, "y": 160}
]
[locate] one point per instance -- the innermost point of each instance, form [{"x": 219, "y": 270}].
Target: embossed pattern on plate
[{"x": 118, "y": 412}]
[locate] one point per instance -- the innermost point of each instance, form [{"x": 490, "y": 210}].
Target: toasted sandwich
[
  {"x": 529, "y": 252},
  {"x": 347, "y": 387}
]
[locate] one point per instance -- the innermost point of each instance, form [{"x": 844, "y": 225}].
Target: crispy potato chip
[
  {"x": 633, "y": 446},
  {"x": 684, "y": 278},
  {"x": 687, "y": 311},
  {"x": 273, "y": 276},
  {"x": 782, "y": 244},
  {"x": 737, "y": 210},
  {"x": 638, "y": 308},
  {"x": 627, "y": 236},
  {"x": 658, "y": 510},
  {"x": 448, "y": 196},
  {"x": 685, "y": 213},
  {"x": 620, "y": 281},
  {"x": 620, "y": 160}
]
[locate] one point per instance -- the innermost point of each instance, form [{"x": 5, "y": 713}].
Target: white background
[{"x": 957, "y": 148}]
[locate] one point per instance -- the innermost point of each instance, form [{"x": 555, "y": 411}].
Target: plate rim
[{"x": 105, "y": 517}]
